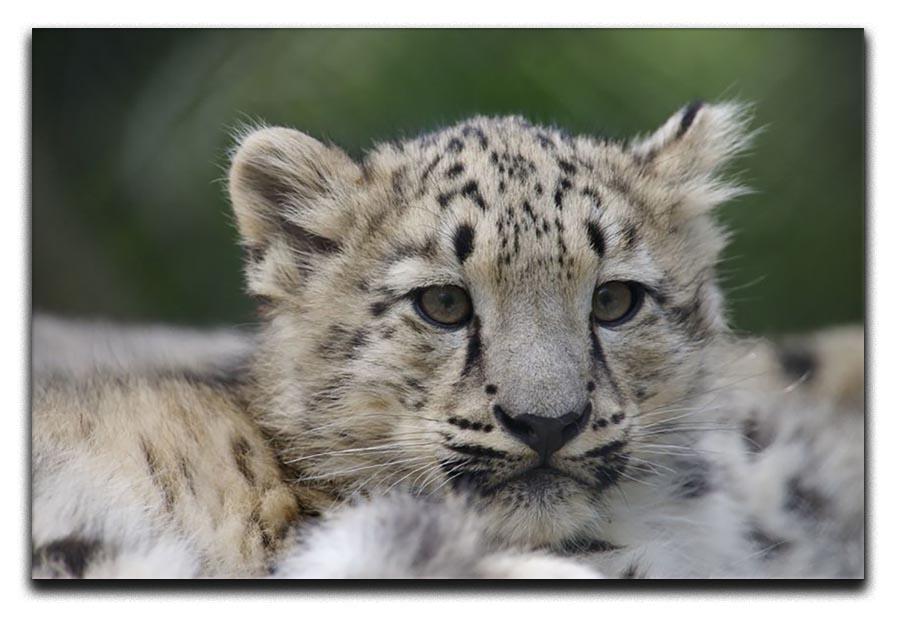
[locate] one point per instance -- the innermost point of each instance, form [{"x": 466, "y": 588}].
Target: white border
[{"x": 884, "y": 212}]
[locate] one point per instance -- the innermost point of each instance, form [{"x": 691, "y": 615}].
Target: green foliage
[{"x": 131, "y": 130}]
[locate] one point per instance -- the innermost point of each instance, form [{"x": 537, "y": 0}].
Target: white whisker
[
  {"x": 397, "y": 445},
  {"x": 356, "y": 469}
]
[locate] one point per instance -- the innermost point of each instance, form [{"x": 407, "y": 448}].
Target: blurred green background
[{"x": 130, "y": 130}]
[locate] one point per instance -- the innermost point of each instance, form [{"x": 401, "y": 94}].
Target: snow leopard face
[{"x": 497, "y": 307}]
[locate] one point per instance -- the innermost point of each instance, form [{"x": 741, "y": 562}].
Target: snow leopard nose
[{"x": 544, "y": 434}]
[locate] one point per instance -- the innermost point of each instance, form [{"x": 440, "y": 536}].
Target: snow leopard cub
[{"x": 494, "y": 350}]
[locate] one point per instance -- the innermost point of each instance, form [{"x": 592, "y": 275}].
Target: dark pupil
[
  {"x": 612, "y": 301},
  {"x": 445, "y": 304}
]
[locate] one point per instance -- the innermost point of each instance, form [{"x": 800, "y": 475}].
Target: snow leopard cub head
[{"x": 495, "y": 307}]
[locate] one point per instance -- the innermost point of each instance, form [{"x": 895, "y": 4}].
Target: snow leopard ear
[
  {"x": 689, "y": 152},
  {"x": 292, "y": 197}
]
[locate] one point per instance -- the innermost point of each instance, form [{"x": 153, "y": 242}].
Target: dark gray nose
[{"x": 544, "y": 434}]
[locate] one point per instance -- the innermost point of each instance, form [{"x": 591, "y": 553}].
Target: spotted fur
[{"x": 691, "y": 452}]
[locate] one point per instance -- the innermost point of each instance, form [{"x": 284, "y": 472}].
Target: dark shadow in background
[{"x": 131, "y": 130}]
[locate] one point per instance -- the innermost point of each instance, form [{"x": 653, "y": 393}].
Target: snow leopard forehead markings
[{"x": 519, "y": 179}]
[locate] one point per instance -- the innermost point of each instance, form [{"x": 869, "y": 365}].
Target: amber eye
[
  {"x": 444, "y": 305},
  {"x": 616, "y": 302}
]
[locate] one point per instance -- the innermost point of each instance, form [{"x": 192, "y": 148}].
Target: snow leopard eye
[
  {"x": 616, "y": 302},
  {"x": 445, "y": 305}
]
